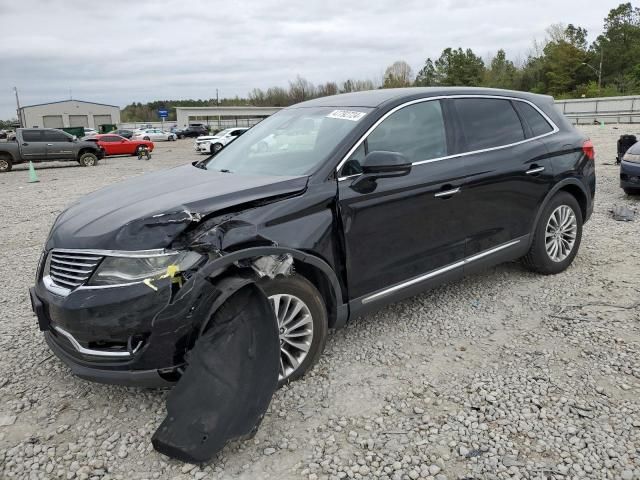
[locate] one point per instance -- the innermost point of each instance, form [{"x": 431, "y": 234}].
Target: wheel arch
[
  {"x": 310, "y": 266},
  {"x": 572, "y": 186}
]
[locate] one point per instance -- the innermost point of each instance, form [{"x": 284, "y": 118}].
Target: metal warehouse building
[{"x": 69, "y": 113}]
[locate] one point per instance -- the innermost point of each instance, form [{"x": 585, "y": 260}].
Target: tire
[
  {"x": 298, "y": 287},
  {"x": 88, "y": 159},
  {"x": 628, "y": 191},
  {"x": 146, "y": 138},
  {"x": 139, "y": 149},
  {"x": 216, "y": 147},
  {"x": 6, "y": 164},
  {"x": 540, "y": 258},
  {"x": 171, "y": 138}
]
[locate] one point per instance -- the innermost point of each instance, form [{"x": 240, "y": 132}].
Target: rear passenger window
[
  {"x": 417, "y": 131},
  {"x": 537, "y": 123},
  {"x": 32, "y": 135},
  {"x": 488, "y": 122}
]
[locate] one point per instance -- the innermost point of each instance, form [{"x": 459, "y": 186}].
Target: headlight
[
  {"x": 119, "y": 270},
  {"x": 631, "y": 157}
]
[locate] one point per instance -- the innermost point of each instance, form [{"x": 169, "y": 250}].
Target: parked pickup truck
[{"x": 47, "y": 144}]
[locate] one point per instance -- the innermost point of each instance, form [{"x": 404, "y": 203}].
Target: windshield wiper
[{"x": 224, "y": 170}]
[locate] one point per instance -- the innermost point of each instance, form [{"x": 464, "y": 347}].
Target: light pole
[{"x": 597, "y": 70}]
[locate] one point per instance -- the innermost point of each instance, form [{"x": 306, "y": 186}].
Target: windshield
[
  {"x": 294, "y": 141},
  {"x": 221, "y": 133}
]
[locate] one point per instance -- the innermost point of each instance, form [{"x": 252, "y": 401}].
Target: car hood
[{"x": 150, "y": 211}]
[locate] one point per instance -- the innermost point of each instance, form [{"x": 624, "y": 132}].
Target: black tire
[
  {"x": 139, "y": 150},
  {"x": 300, "y": 287},
  {"x": 6, "y": 164},
  {"x": 146, "y": 138},
  {"x": 216, "y": 147},
  {"x": 628, "y": 191},
  {"x": 88, "y": 159},
  {"x": 537, "y": 259}
]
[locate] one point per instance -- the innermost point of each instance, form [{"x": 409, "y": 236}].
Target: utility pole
[
  {"x": 600, "y": 70},
  {"x": 18, "y": 104},
  {"x": 218, "y": 106}
]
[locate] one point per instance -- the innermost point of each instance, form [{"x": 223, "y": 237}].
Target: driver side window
[{"x": 417, "y": 131}]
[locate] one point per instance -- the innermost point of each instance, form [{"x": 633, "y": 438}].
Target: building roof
[
  {"x": 374, "y": 98},
  {"x": 67, "y": 101}
]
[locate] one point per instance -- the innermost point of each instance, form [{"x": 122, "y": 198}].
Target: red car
[{"x": 116, "y": 145}]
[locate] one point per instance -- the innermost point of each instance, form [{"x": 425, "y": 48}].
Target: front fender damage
[
  {"x": 231, "y": 371},
  {"x": 232, "y": 374}
]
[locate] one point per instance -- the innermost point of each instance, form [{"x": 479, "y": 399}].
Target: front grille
[{"x": 70, "y": 269}]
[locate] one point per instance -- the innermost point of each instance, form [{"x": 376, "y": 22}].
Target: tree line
[{"x": 564, "y": 65}]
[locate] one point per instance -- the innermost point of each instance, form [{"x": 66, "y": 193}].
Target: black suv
[
  {"x": 358, "y": 200},
  {"x": 192, "y": 131}
]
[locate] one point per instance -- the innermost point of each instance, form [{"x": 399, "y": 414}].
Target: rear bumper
[{"x": 629, "y": 174}]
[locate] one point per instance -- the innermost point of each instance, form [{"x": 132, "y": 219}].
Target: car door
[
  {"x": 509, "y": 174},
  {"x": 404, "y": 232},
  {"x": 33, "y": 146},
  {"x": 59, "y": 145}
]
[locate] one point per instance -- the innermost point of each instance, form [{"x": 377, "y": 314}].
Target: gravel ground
[{"x": 506, "y": 374}]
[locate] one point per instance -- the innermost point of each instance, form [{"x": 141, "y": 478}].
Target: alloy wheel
[
  {"x": 295, "y": 325},
  {"x": 560, "y": 234}
]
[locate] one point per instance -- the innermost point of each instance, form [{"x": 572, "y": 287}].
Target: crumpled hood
[{"x": 151, "y": 210}]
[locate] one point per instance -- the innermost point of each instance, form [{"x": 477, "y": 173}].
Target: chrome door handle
[
  {"x": 535, "y": 170},
  {"x": 49, "y": 144},
  {"x": 447, "y": 193}
]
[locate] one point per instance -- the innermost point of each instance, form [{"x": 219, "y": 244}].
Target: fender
[
  {"x": 218, "y": 265},
  {"x": 562, "y": 183}
]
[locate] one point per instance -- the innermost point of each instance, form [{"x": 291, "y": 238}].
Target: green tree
[
  {"x": 459, "y": 67},
  {"x": 502, "y": 73},
  {"x": 427, "y": 75}
]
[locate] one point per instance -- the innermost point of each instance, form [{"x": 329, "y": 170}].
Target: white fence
[{"x": 605, "y": 109}]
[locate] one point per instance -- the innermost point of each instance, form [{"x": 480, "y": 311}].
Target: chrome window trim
[
  {"x": 95, "y": 353},
  {"x": 463, "y": 154},
  {"x": 439, "y": 271}
]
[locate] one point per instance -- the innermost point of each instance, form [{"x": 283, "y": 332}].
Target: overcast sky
[{"x": 118, "y": 52}]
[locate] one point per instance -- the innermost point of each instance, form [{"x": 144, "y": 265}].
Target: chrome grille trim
[{"x": 70, "y": 269}]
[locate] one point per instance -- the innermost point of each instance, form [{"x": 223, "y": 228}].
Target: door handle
[
  {"x": 534, "y": 170},
  {"x": 49, "y": 144},
  {"x": 447, "y": 193}
]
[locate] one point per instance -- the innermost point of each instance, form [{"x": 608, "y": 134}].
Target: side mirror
[
  {"x": 74, "y": 139},
  {"x": 380, "y": 164},
  {"x": 383, "y": 164}
]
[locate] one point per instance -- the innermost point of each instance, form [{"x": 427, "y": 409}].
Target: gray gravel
[{"x": 503, "y": 375}]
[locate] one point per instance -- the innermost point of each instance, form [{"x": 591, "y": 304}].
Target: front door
[
  {"x": 59, "y": 145},
  {"x": 33, "y": 146},
  {"x": 402, "y": 231}
]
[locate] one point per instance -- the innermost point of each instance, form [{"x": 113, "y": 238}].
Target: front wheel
[
  {"x": 557, "y": 236},
  {"x": 88, "y": 159},
  {"x": 302, "y": 322},
  {"x": 215, "y": 148}
]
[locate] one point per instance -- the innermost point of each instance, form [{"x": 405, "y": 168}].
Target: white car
[
  {"x": 154, "y": 134},
  {"x": 88, "y": 132},
  {"x": 214, "y": 143}
]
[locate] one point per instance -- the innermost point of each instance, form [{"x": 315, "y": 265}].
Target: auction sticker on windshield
[{"x": 347, "y": 115}]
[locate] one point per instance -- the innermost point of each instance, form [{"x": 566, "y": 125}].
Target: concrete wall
[
  {"x": 583, "y": 111},
  {"x": 68, "y": 112}
]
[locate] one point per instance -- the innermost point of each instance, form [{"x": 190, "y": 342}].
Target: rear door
[
  {"x": 401, "y": 232},
  {"x": 59, "y": 145},
  {"x": 509, "y": 172},
  {"x": 33, "y": 146}
]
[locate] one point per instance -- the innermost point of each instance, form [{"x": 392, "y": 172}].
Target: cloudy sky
[{"x": 120, "y": 51}]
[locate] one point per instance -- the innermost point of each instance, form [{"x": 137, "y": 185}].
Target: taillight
[{"x": 589, "y": 151}]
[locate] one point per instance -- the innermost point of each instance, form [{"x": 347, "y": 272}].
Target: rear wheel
[
  {"x": 88, "y": 159},
  {"x": 302, "y": 322},
  {"x": 5, "y": 164},
  {"x": 146, "y": 138},
  {"x": 557, "y": 236}
]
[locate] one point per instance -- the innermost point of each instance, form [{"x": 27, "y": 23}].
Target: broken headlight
[{"x": 130, "y": 269}]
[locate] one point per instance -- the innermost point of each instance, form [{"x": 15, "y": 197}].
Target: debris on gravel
[{"x": 504, "y": 375}]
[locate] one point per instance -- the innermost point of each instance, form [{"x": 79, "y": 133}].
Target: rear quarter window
[
  {"x": 537, "y": 123},
  {"x": 488, "y": 122}
]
